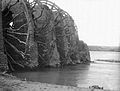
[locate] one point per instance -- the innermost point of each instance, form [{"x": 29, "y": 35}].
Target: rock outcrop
[{"x": 40, "y": 34}]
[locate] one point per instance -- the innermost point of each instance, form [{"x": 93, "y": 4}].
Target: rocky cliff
[{"x": 38, "y": 34}]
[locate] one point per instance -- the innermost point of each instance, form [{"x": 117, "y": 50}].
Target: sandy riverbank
[{"x": 11, "y": 83}]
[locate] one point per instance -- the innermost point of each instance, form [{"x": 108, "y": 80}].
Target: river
[
  {"x": 104, "y": 55},
  {"x": 104, "y": 74}
]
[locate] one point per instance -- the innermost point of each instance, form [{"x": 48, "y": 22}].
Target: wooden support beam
[{"x": 3, "y": 58}]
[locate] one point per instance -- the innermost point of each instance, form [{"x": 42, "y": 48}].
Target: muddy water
[{"x": 82, "y": 75}]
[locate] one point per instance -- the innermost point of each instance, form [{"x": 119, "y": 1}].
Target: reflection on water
[{"x": 102, "y": 74}]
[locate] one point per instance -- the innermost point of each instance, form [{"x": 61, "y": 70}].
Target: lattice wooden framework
[{"x": 36, "y": 33}]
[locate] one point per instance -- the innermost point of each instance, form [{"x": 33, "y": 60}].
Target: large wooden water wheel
[
  {"x": 65, "y": 31},
  {"x": 18, "y": 32},
  {"x": 44, "y": 33},
  {"x": 37, "y": 33}
]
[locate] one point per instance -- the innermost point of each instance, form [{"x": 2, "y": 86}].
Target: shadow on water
[
  {"x": 80, "y": 75},
  {"x": 68, "y": 75}
]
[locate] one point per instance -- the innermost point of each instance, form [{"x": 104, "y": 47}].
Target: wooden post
[{"x": 3, "y": 58}]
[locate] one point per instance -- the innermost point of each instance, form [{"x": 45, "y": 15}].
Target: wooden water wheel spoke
[
  {"x": 15, "y": 30},
  {"x": 20, "y": 27},
  {"x": 14, "y": 18},
  {"x": 18, "y": 33},
  {"x": 10, "y": 65},
  {"x": 14, "y": 60},
  {"x": 20, "y": 52},
  {"x": 9, "y": 29},
  {"x": 17, "y": 39}
]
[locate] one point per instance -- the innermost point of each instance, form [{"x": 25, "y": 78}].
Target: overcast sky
[{"x": 98, "y": 21}]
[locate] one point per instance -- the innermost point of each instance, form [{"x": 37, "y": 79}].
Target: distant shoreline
[
  {"x": 114, "y": 61},
  {"x": 104, "y": 48},
  {"x": 104, "y": 51}
]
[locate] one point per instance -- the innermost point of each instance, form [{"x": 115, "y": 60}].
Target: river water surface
[{"x": 105, "y": 74}]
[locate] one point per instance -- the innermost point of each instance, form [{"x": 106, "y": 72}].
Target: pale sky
[{"x": 98, "y": 21}]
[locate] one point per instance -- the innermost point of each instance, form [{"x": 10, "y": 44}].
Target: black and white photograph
[{"x": 59, "y": 45}]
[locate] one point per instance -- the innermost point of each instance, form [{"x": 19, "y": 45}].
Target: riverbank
[
  {"x": 11, "y": 83},
  {"x": 114, "y": 61}
]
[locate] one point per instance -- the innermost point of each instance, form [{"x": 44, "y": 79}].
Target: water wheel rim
[{"x": 16, "y": 31}]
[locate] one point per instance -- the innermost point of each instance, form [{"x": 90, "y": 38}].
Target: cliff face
[{"x": 40, "y": 34}]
